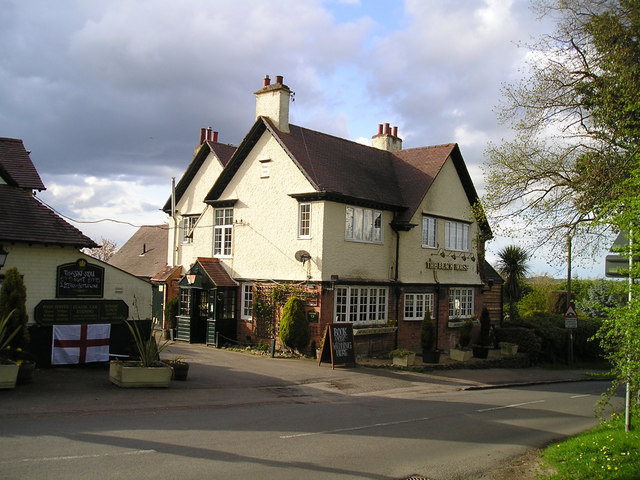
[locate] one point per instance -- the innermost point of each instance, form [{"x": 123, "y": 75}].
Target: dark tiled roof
[
  {"x": 216, "y": 272},
  {"x": 222, "y": 151},
  {"x": 490, "y": 273},
  {"x": 145, "y": 253},
  {"x": 166, "y": 273},
  {"x": 16, "y": 168},
  {"x": 24, "y": 219}
]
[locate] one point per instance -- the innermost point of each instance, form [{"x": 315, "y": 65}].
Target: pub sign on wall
[{"x": 80, "y": 280}]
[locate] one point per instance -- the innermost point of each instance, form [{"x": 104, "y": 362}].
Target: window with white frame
[
  {"x": 185, "y": 302},
  {"x": 188, "y": 223},
  {"x": 247, "y": 301},
  {"x": 460, "y": 302},
  {"x": 363, "y": 225},
  {"x": 429, "y": 232},
  {"x": 361, "y": 304},
  {"x": 456, "y": 236},
  {"x": 223, "y": 232},
  {"x": 304, "y": 220},
  {"x": 416, "y": 305}
]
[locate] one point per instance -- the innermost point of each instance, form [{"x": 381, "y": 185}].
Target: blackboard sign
[
  {"x": 337, "y": 346},
  {"x": 80, "y": 280},
  {"x": 74, "y": 312}
]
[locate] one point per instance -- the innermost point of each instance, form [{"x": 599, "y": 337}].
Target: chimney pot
[
  {"x": 279, "y": 79},
  {"x": 267, "y": 81},
  {"x": 203, "y": 135},
  {"x": 379, "y": 129},
  {"x": 386, "y": 129},
  {"x": 215, "y": 137},
  {"x": 394, "y": 132}
]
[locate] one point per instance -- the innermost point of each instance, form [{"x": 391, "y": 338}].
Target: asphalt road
[{"x": 390, "y": 434}]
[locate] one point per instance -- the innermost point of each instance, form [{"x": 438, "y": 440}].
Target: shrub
[
  {"x": 465, "y": 333},
  {"x": 171, "y": 311},
  {"x": 13, "y": 298},
  {"x": 294, "y": 328},
  {"x": 526, "y": 338},
  {"x": 485, "y": 328},
  {"x": 427, "y": 334}
]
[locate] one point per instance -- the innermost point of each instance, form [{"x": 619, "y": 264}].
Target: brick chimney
[
  {"x": 387, "y": 138},
  {"x": 206, "y": 135},
  {"x": 272, "y": 101}
]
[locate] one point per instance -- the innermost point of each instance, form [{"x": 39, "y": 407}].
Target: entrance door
[{"x": 199, "y": 314}]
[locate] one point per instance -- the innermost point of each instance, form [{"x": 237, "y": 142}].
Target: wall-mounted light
[
  {"x": 3, "y": 256},
  {"x": 191, "y": 278}
]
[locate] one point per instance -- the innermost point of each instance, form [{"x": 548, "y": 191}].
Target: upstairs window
[
  {"x": 456, "y": 236},
  {"x": 429, "y": 232},
  {"x": 223, "y": 232},
  {"x": 188, "y": 222},
  {"x": 304, "y": 220},
  {"x": 363, "y": 225}
]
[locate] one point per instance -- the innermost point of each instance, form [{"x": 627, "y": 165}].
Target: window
[
  {"x": 223, "y": 232},
  {"x": 185, "y": 302},
  {"x": 429, "y": 232},
  {"x": 265, "y": 171},
  {"x": 460, "y": 302},
  {"x": 456, "y": 236},
  {"x": 247, "y": 301},
  {"x": 416, "y": 305},
  {"x": 361, "y": 304},
  {"x": 304, "y": 220},
  {"x": 363, "y": 225},
  {"x": 188, "y": 223}
]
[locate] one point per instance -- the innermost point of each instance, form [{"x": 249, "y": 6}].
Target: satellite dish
[{"x": 302, "y": 256}]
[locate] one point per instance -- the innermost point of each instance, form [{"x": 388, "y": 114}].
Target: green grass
[{"x": 604, "y": 452}]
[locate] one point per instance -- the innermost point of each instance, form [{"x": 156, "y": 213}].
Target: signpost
[{"x": 337, "y": 346}]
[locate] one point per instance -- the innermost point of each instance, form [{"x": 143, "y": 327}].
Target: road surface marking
[
  {"x": 351, "y": 429},
  {"x": 509, "y": 406},
  {"x": 77, "y": 457},
  {"x": 580, "y": 396}
]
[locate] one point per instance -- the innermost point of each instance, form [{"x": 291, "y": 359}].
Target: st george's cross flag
[{"x": 80, "y": 343}]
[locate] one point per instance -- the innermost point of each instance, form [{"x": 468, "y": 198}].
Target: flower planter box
[
  {"x": 460, "y": 355},
  {"x": 404, "y": 360},
  {"x": 8, "y": 375},
  {"x": 129, "y": 376},
  {"x": 507, "y": 348}
]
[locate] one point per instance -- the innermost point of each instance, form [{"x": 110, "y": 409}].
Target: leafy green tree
[
  {"x": 512, "y": 264},
  {"x": 535, "y": 299},
  {"x": 576, "y": 120},
  {"x": 13, "y": 297},
  {"x": 294, "y": 328}
]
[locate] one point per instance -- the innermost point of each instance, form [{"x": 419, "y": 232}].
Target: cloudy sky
[{"x": 109, "y": 96}]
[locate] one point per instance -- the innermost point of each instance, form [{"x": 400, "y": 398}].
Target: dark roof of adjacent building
[
  {"x": 16, "y": 167},
  {"x": 25, "y": 220},
  {"x": 145, "y": 253},
  {"x": 166, "y": 273},
  {"x": 222, "y": 152},
  {"x": 490, "y": 274},
  {"x": 349, "y": 172}
]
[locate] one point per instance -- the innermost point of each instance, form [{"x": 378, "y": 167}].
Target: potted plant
[
  {"x": 508, "y": 348},
  {"x": 462, "y": 353},
  {"x": 427, "y": 340},
  {"x": 8, "y": 368},
  {"x": 148, "y": 370},
  {"x": 402, "y": 357},
  {"x": 481, "y": 349},
  {"x": 180, "y": 367}
]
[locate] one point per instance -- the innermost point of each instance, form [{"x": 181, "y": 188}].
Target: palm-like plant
[{"x": 512, "y": 264}]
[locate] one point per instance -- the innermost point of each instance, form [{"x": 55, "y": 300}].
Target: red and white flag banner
[{"x": 80, "y": 343}]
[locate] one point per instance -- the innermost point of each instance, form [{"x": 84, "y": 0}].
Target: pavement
[{"x": 220, "y": 378}]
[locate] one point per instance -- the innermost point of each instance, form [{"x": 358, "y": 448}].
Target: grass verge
[{"x": 607, "y": 451}]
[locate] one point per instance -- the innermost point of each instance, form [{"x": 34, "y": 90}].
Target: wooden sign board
[
  {"x": 80, "y": 280},
  {"x": 337, "y": 346}
]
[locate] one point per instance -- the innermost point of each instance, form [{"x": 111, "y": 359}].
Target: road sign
[
  {"x": 571, "y": 312},
  {"x": 571, "y": 318}
]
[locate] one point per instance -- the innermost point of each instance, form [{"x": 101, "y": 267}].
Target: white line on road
[
  {"x": 351, "y": 429},
  {"x": 580, "y": 396},
  {"x": 509, "y": 406},
  {"x": 76, "y": 457}
]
